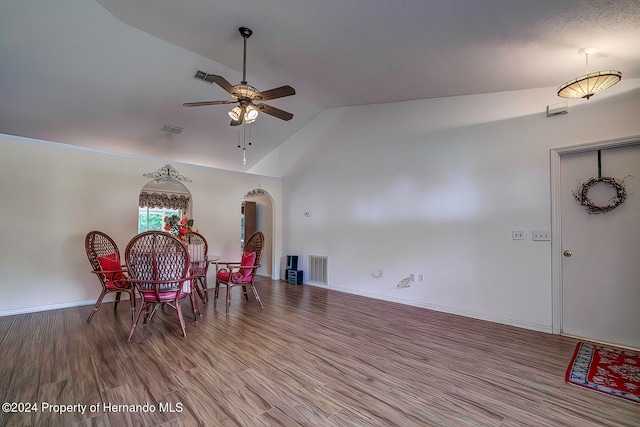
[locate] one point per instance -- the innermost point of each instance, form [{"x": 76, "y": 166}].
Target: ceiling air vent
[
  {"x": 171, "y": 129},
  {"x": 201, "y": 75}
]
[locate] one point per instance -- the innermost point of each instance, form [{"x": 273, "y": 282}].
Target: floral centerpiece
[{"x": 180, "y": 228}]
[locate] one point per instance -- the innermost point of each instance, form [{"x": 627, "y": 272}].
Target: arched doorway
[{"x": 265, "y": 222}]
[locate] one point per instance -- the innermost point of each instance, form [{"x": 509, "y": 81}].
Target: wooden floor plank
[{"x": 311, "y": 356}]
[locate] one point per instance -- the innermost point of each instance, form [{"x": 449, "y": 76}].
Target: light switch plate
[
  {"x": 517, "y": 235},
  {"x": 540, "y": 235}
]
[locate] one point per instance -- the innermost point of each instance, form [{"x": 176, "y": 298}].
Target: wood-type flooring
[{"x": 310, "y": 357}]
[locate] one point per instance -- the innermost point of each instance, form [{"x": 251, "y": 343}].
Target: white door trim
[{"x": 556, "y": 216}]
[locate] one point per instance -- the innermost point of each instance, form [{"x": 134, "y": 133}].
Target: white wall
[
  {"x": 435, "y": 187},
  {"x": 53, "y": 195}
]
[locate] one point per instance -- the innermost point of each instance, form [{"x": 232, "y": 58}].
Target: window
[
  {"x": 165, "y": 195},
  {"x": 153, "y": 218}
]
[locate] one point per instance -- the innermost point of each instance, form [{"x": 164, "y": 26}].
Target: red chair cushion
[
  {"x": 111, "y": 262},
  {"x": 223, "y": 275},
  {"x": 243, "y": 275},
  {"x": 166, "y": 296},
  {"x": 236, "y": 277},
  {"x": 248, "y": 259}
]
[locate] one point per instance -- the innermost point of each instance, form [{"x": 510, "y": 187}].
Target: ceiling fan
[{"x": 245, "y": 95}]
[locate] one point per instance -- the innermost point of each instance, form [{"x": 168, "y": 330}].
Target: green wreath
[{"x": 581, "y": 194}]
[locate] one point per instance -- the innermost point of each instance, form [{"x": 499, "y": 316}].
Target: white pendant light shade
[
  {"x": 235, "y": 113},
  {"x": 588, "y": 85},
  {"x": 251, "y": 114},
  {"x": 591, "y": 83}
]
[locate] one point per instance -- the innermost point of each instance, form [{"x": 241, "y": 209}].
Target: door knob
[{"x": 567, "y": 253}]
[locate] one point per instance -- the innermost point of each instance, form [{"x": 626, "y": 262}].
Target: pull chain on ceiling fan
[{"x": 244, "y": 94}]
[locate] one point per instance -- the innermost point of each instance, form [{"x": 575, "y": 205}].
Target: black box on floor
[
  {"x": 294, "y": 277},
  {"x": 292, "y": 262}
]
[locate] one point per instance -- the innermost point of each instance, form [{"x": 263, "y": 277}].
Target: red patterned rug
[{"x": 607, "y": 370}]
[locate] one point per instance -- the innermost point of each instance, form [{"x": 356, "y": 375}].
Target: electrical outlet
[
  {"x": 420, "y": 277},
  {"x": 540, "y": 235},
  {"x": 517, "y": 235}
]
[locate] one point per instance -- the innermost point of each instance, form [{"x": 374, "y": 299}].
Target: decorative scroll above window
[
  {"x": 162, "y": 200},
  {"x": 166, "y": 173}
]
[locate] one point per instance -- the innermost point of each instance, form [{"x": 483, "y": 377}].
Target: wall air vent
[
  {"x": 171, "y": 129},
  {"x": 557, "y": 109},
  {"x": 318, "y": 269}
]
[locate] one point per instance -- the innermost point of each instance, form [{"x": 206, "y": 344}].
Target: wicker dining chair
[
  {"x": 159, "y": 267},
  {"x": 198, "y": 252},
  {"x": 104, "y": 258},
  {"x": 242, "y": 273}
]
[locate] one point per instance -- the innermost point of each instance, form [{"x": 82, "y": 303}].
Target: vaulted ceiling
[{"x": 109, "y": 74}]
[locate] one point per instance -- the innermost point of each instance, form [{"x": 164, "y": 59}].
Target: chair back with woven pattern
[
  {"x": 98, "y": 245},
  {"x": 198, "y": 247},
  {"x": 255, "y": 244},
  {"x": 242, "y": 273},
  {"x": 159, "y": 267},
  {"x": 157, "y": 263},
  {"x": 104, "y": 257},
  {"x": 198, "y": 251}
]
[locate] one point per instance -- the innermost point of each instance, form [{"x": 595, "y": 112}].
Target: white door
[{"x": 601, "y": 274}]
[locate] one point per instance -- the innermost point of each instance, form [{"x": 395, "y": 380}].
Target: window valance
[{"x": 163, "y": 200}]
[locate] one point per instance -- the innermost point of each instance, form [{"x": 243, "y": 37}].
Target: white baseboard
[
  {"x": 443, "y": 309},
  {"x": 450, "y": 310},
  {"x": 108, "y": 298}
]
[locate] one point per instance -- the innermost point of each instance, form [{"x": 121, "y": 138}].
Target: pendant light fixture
[
  {"x": 591, "y": 83},
  {"x": 235, "y": 113},
  {"x": 250, "y": 113}
]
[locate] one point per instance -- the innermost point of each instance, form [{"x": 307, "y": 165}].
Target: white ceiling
[{"x": 110, "y": 74}]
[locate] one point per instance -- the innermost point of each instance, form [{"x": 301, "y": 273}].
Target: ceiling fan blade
[
  {"x": 240, "y": 119},
  {"x": 222, "y": 82},
  {"x": 203, "y": 103},
  {"x": 275, "y": 112},
  {"x": 279, "y": 92}
]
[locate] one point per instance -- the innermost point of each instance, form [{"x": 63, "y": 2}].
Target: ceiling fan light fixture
[
  {"x": 245, "y": 112},
  {"x": 235, "y": 113},
  {"x": 591, "y": 83},
  {"x": 251, "y": 114}
]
